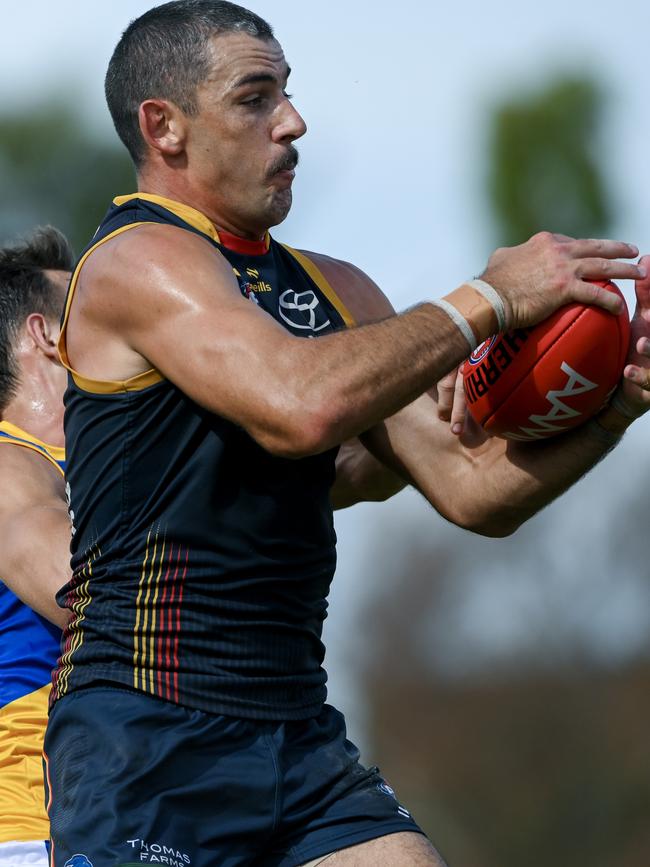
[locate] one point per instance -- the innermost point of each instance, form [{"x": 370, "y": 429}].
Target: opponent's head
[
  {"x": 196, "y": 89},
  {"x": 34, "y": 274}
]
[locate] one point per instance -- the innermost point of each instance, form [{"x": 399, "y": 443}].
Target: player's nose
[{"x": 290, "y": 125}]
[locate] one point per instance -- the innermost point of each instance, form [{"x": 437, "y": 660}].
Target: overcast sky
[{"x": 396, "y": 96}]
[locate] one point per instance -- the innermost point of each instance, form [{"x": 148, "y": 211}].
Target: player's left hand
[
  {"x": 452, "y": 407},
  {"x": 633, "y": 394}
]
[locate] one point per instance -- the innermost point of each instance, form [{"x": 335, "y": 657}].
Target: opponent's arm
[
  {"x": 34, "y": 531},
  {"x": 161, "y": 296},
  {"x": 490, "y": 486}
]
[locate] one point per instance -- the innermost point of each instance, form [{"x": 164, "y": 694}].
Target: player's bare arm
[
  {"x": 34, "y": 531},
  {"x": 490, "y": 486},
  {"x": 139, "y": 306},
  {"x": 362, "y": 478}
]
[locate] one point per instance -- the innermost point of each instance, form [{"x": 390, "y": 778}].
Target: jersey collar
[{"x": 200, "y": 222}]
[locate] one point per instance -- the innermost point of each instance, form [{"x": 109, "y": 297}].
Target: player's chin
[{"x": 279, "y": 206}]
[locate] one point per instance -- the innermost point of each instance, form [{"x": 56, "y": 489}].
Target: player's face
[{"x": 241, "y": 142}]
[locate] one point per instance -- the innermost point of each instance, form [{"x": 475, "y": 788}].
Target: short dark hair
[
  {"x": 164, "y": 54},
  {"x": 25, "y": 289}
]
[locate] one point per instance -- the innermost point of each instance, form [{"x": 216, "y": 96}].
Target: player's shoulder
[
  {"x": 144, "y": 268},
  {"x": 359, "y": 292},
  {"x": 149, "y": 246}
]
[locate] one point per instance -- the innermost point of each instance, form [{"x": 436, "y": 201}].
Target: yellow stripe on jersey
[
  {"x": 22, "y": 807},
  {"x": 101, "y": 386},
  {"x": 152, "y": 629},
  {"x": 138, "y": 655},
  {"x": 323, "y": 284},
  {"x": 74, "y": 632},
  {"x": 17, "y": 437}
]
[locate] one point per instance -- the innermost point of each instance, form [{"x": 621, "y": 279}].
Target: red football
[{"x": 535, "y": 382}]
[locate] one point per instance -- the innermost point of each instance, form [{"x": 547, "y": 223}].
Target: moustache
[{"x": 287, "y": 163}]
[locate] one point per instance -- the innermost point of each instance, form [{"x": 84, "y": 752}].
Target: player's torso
[
  {"x": 210, "y": 558},
  {"x": 29, "y": 647}
]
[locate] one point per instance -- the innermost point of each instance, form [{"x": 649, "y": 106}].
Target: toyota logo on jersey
[{"x": 302, "y": 310}]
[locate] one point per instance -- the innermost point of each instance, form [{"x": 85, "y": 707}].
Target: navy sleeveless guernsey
[{"x": 201, "y": 563}]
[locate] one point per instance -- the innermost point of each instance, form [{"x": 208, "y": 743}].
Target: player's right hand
[{"x": 548, "y": 271}]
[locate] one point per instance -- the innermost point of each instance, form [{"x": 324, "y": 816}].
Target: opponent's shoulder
[
  {"x": 28, "y": 478},
  {"x": 360, "y": 294}
]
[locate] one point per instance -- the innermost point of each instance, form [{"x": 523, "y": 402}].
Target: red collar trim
[{"x": 244, "y": 245}]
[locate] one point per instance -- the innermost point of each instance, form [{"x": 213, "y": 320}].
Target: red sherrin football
[{"x": 535, "y": 382}]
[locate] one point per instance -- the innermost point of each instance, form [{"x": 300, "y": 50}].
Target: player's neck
[
  {"x": 37, "y": 408},
  {"x": 200, "y": 201}
]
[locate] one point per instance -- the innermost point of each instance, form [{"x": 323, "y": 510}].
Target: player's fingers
[
  {"x": 459, "y": 408},
  {"x": 602, "y": 248},
  {"x": 642, "y": 286},
  {"x": 589, "y": 293},
  {"x": 638, "y": 375},
  {"x": 446, "y": 388},
  {"x": 609, "y": 269},
  {"x": 642, "y": 346}
]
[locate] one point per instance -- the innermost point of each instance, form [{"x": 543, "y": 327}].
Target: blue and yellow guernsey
[
  {"x": 201, "y": 563},
  {"x": 29, "y": 647}
]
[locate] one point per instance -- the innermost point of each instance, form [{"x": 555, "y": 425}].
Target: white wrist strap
[
  {"x": 476, "y": 309},
  {"x": 459, "y": 321}
]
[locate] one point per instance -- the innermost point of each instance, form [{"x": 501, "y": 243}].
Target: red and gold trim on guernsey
[
  {"x": 204, "y": 225},
  {"x": 76, "y": 600},
  {"x": 158, "y": 617}
]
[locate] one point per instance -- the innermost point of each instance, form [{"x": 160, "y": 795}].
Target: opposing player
[
  {"x": 188, "y": 708},
  {"x": 34, "y": 529}
]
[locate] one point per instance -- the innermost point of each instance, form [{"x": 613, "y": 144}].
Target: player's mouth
[{"x": 284, "y": 169}]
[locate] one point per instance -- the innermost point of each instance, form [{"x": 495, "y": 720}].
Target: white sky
[{"x": 396, "y": 97}]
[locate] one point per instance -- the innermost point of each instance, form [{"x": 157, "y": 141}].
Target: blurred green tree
[
  {"x": 544, "y": 162},
  {"x": 53, "y": 169}
]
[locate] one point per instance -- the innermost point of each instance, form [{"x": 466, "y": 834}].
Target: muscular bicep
[{"x": 181, "y": 312}]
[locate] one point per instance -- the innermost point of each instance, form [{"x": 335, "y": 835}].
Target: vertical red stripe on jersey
[
  {"x": 160, "y": 644},
  {"x": 168, "y": 628},
  {"x": 178, "y": 625}
]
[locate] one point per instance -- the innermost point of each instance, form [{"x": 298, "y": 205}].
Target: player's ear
[
  {"x": 163, "y": 126},
  {"x": 44, "y": 334}
]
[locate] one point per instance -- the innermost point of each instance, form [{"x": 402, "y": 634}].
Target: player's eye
[{"x": 253, "y": 101}]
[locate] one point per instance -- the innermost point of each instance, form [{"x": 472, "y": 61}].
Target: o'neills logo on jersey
[{"x": 302, "y": 310}]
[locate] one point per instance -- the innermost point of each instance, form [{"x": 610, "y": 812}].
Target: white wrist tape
[
  {"x": 477, "y": 310},
  {"x": 490, "y": 294},
  {"x": 459, "y": 321}
]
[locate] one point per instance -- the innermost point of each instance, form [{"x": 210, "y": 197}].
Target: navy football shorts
[{"x": 133, "y": 779}]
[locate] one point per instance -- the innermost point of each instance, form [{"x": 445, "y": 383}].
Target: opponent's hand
[
  {"x": 633, "y": 395},
  {"x": 549, "y": 271}
]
